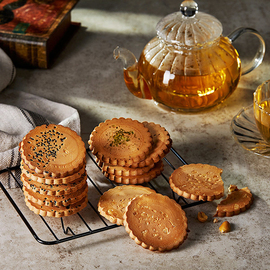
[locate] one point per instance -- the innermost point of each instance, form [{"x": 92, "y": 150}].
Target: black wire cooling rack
[{"x": 51, "y": 231}]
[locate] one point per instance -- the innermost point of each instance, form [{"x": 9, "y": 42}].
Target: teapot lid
[{"x": 188, "y": 27}]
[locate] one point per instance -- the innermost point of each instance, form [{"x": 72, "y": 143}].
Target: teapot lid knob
[
  {"x": 189, "y": 8},
  {"x": 189, "y": 27}
]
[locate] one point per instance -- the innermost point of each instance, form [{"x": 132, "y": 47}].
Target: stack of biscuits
[
  {"x": 129, "y": 151},
  {"x": 53, "y": 171}
]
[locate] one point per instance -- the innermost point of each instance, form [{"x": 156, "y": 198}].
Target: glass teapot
[{"x": 189, "y": 66}]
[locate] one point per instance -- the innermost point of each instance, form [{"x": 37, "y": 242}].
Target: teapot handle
[{"x": 260, "y": 52}]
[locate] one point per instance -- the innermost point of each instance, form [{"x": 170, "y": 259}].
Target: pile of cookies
[
  {"x": 53, "y": 171},
  {"x": 128, "y": 151},
  {"x": 157, "y": 222}
]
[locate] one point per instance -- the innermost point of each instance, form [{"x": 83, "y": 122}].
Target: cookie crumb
[
  {"x": 225, "y": 227},
  {"x": 215, "y": 220},
  {"x": 202, "y": 217}
]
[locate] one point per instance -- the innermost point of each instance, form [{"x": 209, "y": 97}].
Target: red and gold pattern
[{"x": 32, "y": 17}]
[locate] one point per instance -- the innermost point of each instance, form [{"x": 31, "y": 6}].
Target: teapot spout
[
  {"x": 134, "y": 81},
  {"x": 127, "y": 57}
]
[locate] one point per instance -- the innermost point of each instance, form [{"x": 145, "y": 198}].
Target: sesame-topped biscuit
[
  {"x": 112, "y": 204},
  {"x": 198, "y": 182},
  {"x": 120, "y": 141},
  {"x": 53, "y": 150},
  {"x": 156, "y": 222}
]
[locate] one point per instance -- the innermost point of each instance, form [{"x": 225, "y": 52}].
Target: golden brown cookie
[
  {"x": 239, "y": 200},
  {"x": 161, "y": 145},
  {"x": 137, "y": 179},
  {"x": 198, "y": 182},
  {"x": 123, "y": 171},
  {"x": 147, "y": 162},
  {"x": 56, "y": 211},
  {"x": 62, "y": 200},
  {"x": 40, "y": 178},
  {"x": 112, "y": 204},
  {"x": 121, "y": 141},
  {"x": 156, "y": 222},
  {"x": 53, "y": 190},
  {"x": 161, "y": 142},
  {"x": 53, "y": 150}
]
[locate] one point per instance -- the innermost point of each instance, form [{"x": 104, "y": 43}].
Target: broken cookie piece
[{"x": 239, "y": 200}]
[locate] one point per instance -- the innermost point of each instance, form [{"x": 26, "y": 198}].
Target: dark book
[{"x": 32, "y": 30}]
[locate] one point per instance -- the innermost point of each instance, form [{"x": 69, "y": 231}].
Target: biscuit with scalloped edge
[
  {"x": 156, "y": 222},
  {"x": 112, "y": 204},
  {"x": 123, "y": 171},
  {"x": 161, "y": 145},
  {"x": 137, "y": 179},
  {"x": 56, "y": 211},
  {"x": 161, "y": 142},
  {"x": 40, "y": 178},
  {"x": 53, "y": 190},
  {"x": 238, "y": 201},
  {"x": 62, "y": 200},
  {"x": 198, "y": 182},
  {"x": 53, "y": 150},
  {"x": 120, "y": 141}
]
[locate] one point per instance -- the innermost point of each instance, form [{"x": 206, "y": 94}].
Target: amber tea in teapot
[
  {"x": 189, "y": 65},
  {"x": 190, "y": 92}
]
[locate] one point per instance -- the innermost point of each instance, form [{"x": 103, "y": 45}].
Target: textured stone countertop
[{"x": 86, "y": 76}]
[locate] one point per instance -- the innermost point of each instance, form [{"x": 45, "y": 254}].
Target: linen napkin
[
  {"x": 21, "y": 112},
  {"x": 8, "y": 70}
]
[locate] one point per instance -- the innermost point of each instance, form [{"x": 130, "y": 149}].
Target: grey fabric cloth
[
  {"x": 21, "y": 112},
  {"x": 8, "y": 70}
]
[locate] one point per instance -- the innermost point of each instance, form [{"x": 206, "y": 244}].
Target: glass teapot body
[
  {"x": 189, "y": 65},
  {"x": 183, "y": 79}
]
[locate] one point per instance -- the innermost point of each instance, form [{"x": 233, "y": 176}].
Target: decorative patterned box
[{"x": 32, "y": 30}]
